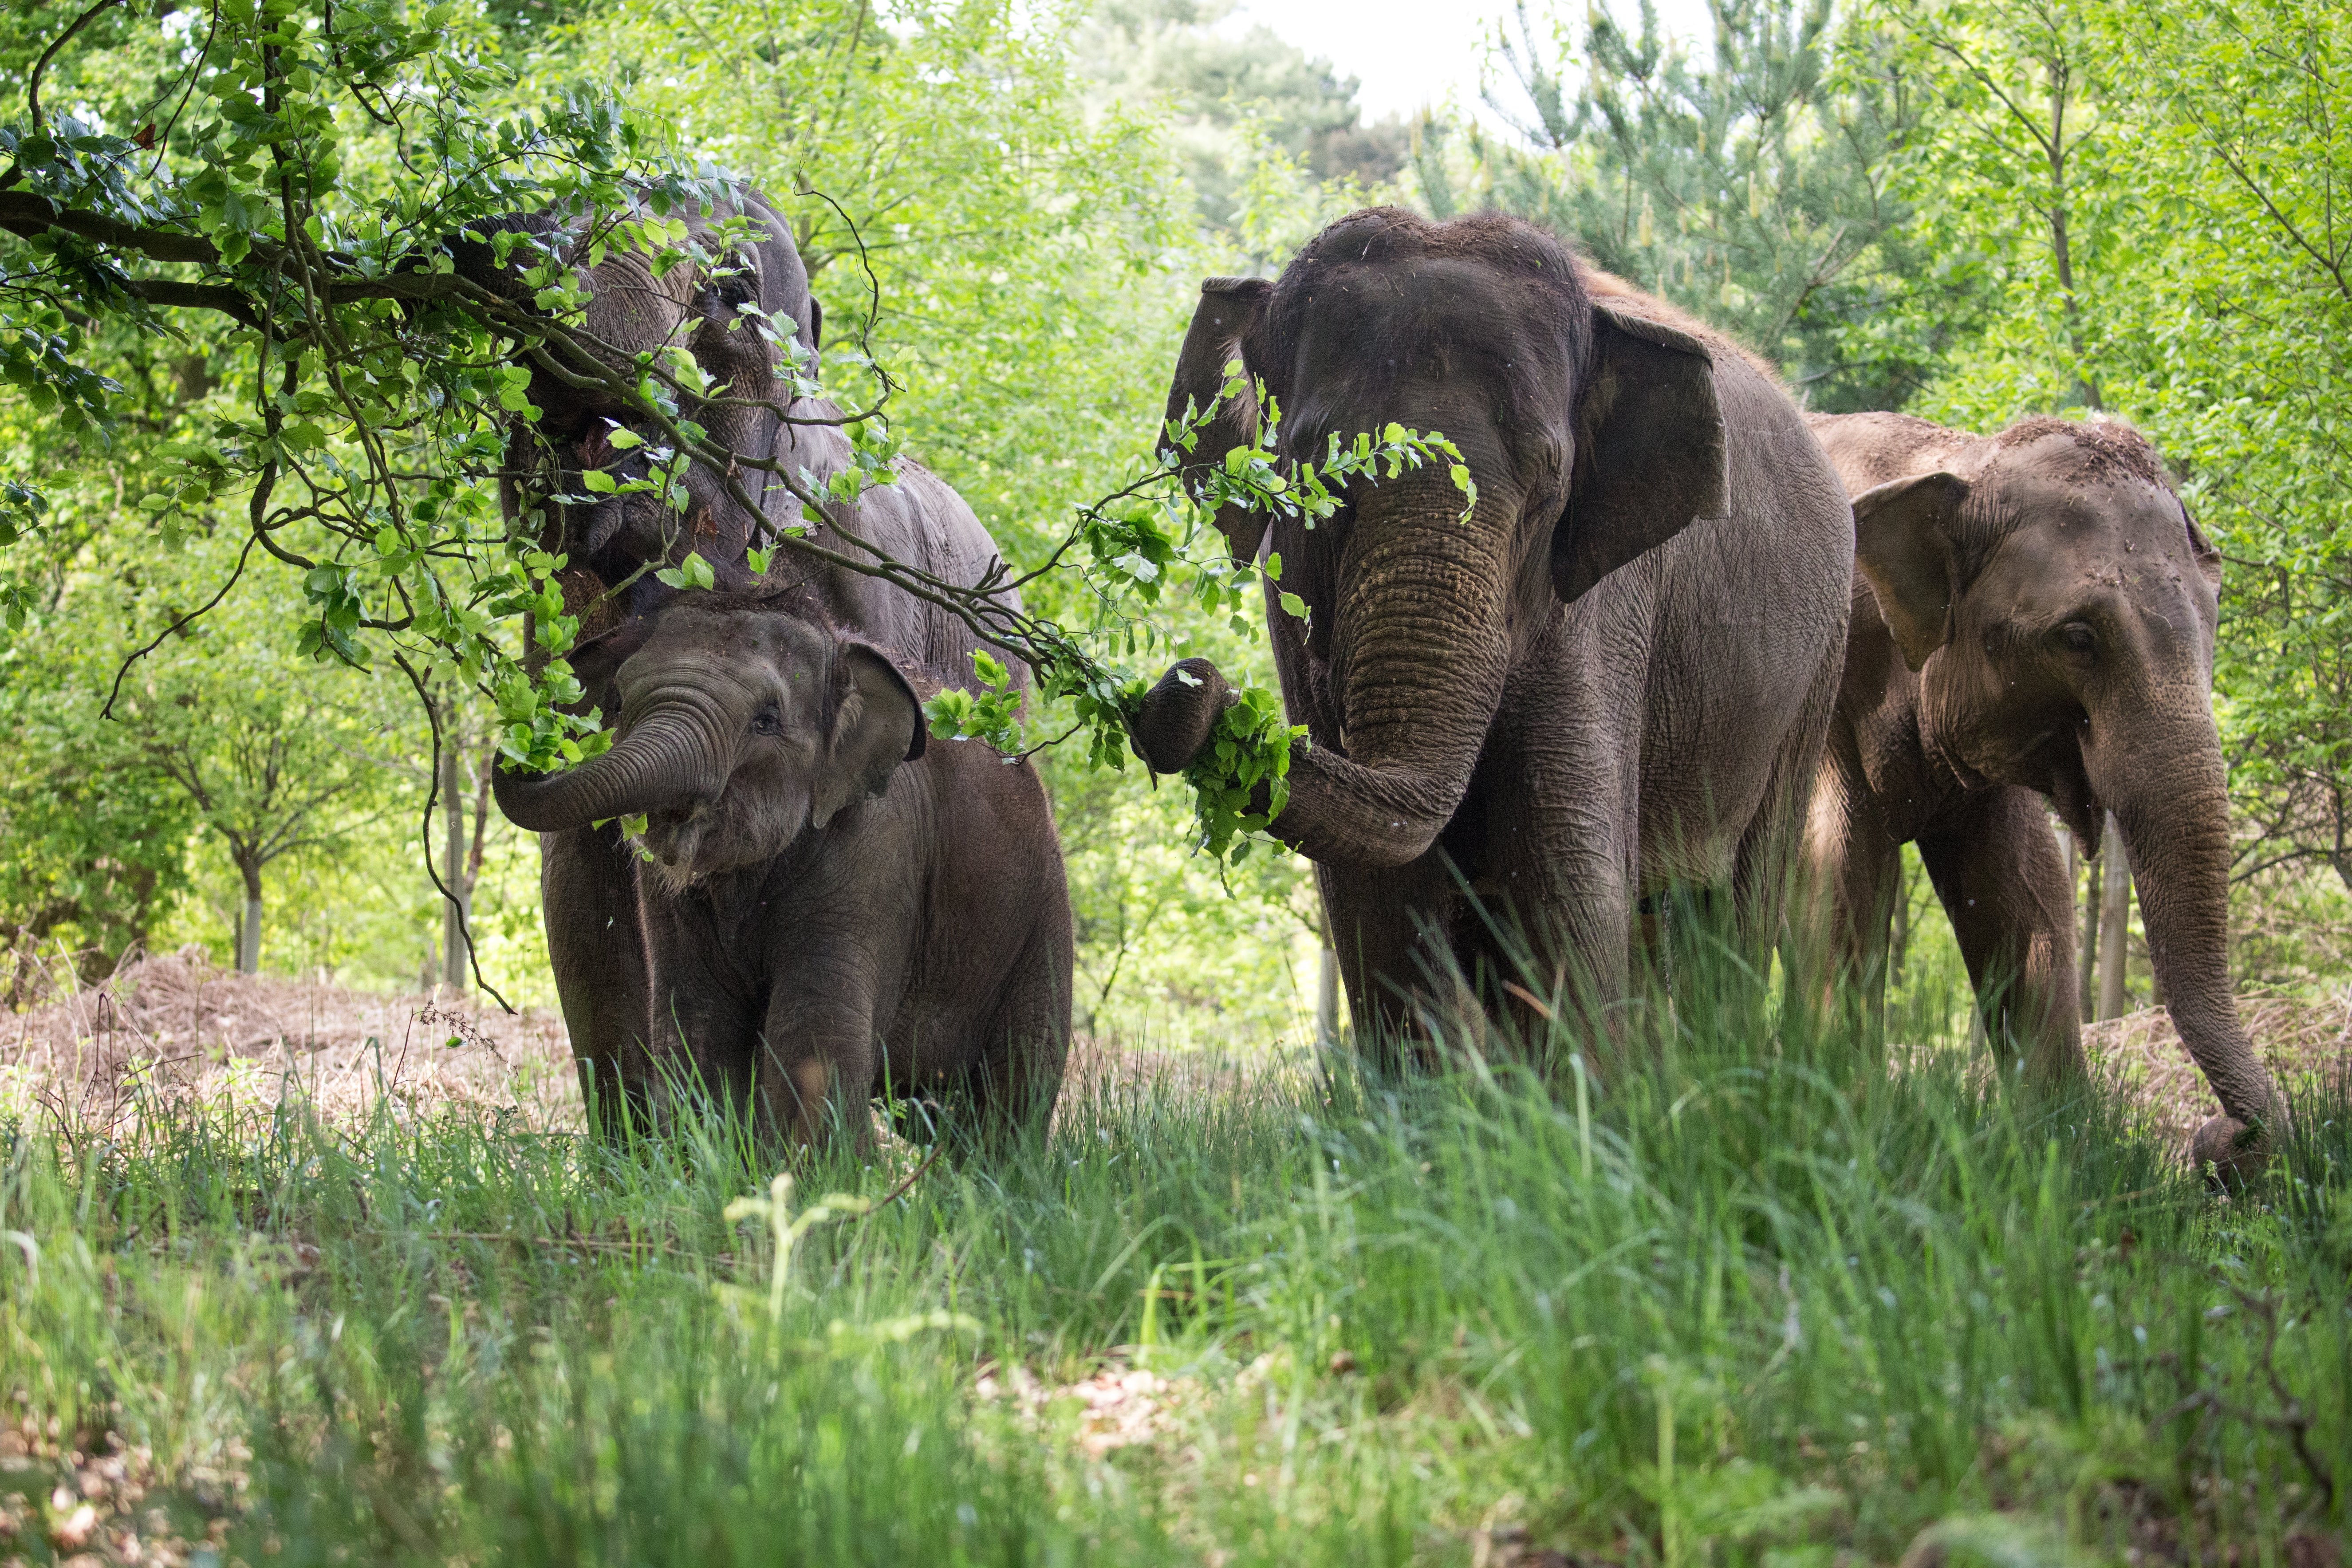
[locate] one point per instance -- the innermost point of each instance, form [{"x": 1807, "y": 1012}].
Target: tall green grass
[{"x": 1769, "y": 1296}]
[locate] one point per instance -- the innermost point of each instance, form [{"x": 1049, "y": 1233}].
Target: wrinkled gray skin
[
  {"x": 1614, "y": 676},
  {"x": 596, "y": 935},
  {"x": 2033, "y": 615},
  {"x": 832, "y": 907}
]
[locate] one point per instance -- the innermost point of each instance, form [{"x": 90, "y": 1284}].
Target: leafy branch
[{"x": 309, "y": 219}]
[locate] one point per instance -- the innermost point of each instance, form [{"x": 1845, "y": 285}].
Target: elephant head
[
  {"x": 1587, "y": 417},
  {"x": 698, "y": 306},
  {"x": 2060, "y": 605},
  {"x": 742, "y": 726}
]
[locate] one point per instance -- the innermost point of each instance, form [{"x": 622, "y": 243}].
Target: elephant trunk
[
  {"x": 661, "y": 761},
  {"x": 2177, "y": 837},
  {"x": 1421, "y": 643}
]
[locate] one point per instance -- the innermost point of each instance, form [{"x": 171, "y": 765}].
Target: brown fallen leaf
[{"x": 73, "y": 1532}]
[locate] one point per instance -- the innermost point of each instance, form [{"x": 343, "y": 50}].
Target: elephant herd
[{"x": 1688, "y": 637}]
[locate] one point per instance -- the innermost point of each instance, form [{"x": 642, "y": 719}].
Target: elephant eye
[
  {"x": 765, "y": 722},
  {"x": 2078, "y": 638}
]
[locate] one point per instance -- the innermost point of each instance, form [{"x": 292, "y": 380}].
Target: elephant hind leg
[
  {"x": 1772, "y": 847},
  {"x": 1013, "y": 1086}
]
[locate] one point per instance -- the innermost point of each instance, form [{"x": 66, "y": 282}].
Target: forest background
[{"x": 1968, "y": 211}]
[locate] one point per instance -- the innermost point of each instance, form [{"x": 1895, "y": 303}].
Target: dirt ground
[
  {"x": 2303, "y": 1041},
  {"x": 174, "y": 1026}
]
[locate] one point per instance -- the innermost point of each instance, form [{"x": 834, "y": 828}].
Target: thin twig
[
  {"x": 901, "y": 1191},
  {"x": 32, "y": 82},
  {"x": 432, "y": 799},
  {"x": 116, "y": 689}
]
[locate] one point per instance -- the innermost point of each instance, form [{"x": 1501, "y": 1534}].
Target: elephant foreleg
[
  {"x": 596, "y": 946},
  {"x": 1387, "y": 928},
  {"x": 2002, "y": 881},
  {"x": 818, "y": 1063}
]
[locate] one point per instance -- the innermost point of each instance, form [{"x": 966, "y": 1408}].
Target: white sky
[{"x": 1412, "y": 53}]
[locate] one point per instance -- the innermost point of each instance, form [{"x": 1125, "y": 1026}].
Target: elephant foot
[
  {"x": 1180, "y": 714},
  {"x": 2230, "y": 1153}
]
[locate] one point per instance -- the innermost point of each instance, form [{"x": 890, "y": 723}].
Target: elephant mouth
[{"x": 673, "y": 840}]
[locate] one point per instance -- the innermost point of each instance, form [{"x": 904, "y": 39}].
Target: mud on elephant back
[{"x": 1614, "y": 676}]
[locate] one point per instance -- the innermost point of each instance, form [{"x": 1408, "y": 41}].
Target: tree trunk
[
  {"x": 2054, "y": 150},
  {"x": 1327, "y": 996},
  {"x": 1898, "y": 946},
  {"x": 2114, "y": 918},
  {"x": 454, "y": 947},
  {"x": 249, "y": 925},
  {"x": 2088, "y": 892}
]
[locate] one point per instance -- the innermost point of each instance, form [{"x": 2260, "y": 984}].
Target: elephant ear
[
  {"x": 1649, "y": 447},
  {"x": 2200, "y": 549},
  {"x": 1224, "y": 324},
  {"x": 1904, "y": 533},
  {"x": 877, "y": 724}
]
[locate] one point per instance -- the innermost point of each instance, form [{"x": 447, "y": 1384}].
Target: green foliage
[
  {"x": 1022, "y": 263},
  {"x": 2241, "y": 367},
  {"x": 272, "y": 758},
  {"x": 1240, "y": 778},
  {"x": 1750, "y": 188},
  {"x": 1176, "y": 951},
  {"x": 97, "y": 839},
  {"x": 381, "y": 396},
  {"x": 1158, "y": 530},
  {"x": 1237, "y": 101},
  {"x": 992, "y": 715},
  {"x": 2145, "y": 193},
  {"x": 2036, "y": 187}
]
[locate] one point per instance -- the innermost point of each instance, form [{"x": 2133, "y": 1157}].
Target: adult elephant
[
  {"x": 1613, "y": 676},
  {"x": 595, "y": 927},
  {"x": 2033, "y": 617}
]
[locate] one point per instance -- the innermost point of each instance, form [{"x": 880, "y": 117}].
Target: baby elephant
[{"x": 832, "y": 909}]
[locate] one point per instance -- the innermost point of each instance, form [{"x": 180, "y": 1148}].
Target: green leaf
[{"x": 691, "y": 572}]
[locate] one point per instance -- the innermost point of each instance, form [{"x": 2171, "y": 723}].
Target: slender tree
[{"x": 265, "y": 771}]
